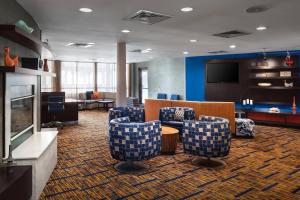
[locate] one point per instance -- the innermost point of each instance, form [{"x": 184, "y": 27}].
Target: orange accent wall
[{"x": 218, "y": 109}]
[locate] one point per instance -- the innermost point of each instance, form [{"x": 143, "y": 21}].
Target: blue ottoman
[{"x": 245, "y": 127}]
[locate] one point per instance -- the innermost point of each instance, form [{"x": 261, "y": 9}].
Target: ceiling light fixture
[
  {"x": 233, "y": 46},
  {"x": 261, "y": 28},
  {"x": 70, "y": 44},
  {"x": 125, "y": 31},
  {"x": 146, "y": 50},
  {"x": 185, "y": 52},
  {"x": 193, "y": 41},
  {"x": 187, "y": 9},
  {"x": 85, "y": 10}
]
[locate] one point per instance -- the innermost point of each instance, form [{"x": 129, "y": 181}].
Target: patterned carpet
[{"x": 266, "y": 167}]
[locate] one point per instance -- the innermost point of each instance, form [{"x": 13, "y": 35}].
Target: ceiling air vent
[
  {"x": 148, "y": 17},
  {"x": 231, "y": 34},
  {"x": 217, "y": 52},
  {"x": 80, "y": 45},
  {"x": 257, "y": 9},
  {"x": 136, "y": 51}
]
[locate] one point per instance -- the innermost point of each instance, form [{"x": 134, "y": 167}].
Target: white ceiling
[{"x": 62, "y": 23}]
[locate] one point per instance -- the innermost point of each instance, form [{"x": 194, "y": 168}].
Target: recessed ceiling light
[
  {"x": 146, "y": 50},
  {"x": 233, "y": 46},
  {"x": 70, "y": 44},
  {"x": 125, "y": 31},
  {"x": 85, "y": 10},
  {"x": 193, "y": 41},
  {"x": 185, "y": 52},
  {"x": 261, "y": 28},
  {"x": 187, "y": 9}
]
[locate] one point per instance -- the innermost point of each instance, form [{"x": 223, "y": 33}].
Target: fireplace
[{"x": 21, "y": 114}]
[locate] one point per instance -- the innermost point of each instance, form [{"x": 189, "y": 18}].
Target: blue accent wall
[{"x": 195, "y": 71}]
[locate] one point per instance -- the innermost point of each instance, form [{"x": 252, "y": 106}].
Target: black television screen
[{"x": 222, "y": 72}]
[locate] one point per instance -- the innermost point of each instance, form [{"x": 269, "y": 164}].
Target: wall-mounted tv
[{"x": 227, "y": 72}]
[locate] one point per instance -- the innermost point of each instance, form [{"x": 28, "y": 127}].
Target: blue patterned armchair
[
  {"x": 135, "y": 114},
  {"x": 174, "y": 116},
  {"x": 131, "y": 142},
  {"x": 209, "y": 137}
]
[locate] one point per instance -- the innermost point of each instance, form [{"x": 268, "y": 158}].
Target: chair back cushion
[
  {"x": 56, "y": 104},
  {"x": 175, "y": 97},
  {"x": 162, "y": 96},
  {"x": 88, "y": 95},
  {"x": 136, "y": 114}
]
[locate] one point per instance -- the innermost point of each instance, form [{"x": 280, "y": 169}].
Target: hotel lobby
[{"x": 137, "y": 99}]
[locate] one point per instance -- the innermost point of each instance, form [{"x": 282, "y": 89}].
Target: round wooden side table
[{"x": 170, "y": 136}]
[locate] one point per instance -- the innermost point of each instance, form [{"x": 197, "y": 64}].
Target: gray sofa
[{"x": 92, "y": 103}]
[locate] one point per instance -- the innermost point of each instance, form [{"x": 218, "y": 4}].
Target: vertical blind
[
  {"x": 106, "y": 77},
  {"x": 78, "y": 77}
]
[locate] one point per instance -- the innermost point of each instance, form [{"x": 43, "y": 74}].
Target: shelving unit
[
  {"x": 275, "y": 88},
  {"x": 273, "y": 76},
  {"x": 20, "y": 70},
  {"x": 17, "y": 35}
]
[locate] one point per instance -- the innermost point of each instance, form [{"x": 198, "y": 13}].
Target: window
[
  {"x": 47, "y": 81},
  {"x": 106, "y": 77},
  {"x": 85, "y": 77},
  {"x": 69, "y": 79},
  {"x": 144, "y": 89}
]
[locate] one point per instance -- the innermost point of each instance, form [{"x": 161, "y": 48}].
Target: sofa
[
  {"x": 218, "y": 109},
  {"x": 133, "y": 142},
  {"x": 90, "y": 102},
  {"x": 174, "y": 116}
]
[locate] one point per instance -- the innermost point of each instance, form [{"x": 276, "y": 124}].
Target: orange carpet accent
[{"x": 266, "y": 167}]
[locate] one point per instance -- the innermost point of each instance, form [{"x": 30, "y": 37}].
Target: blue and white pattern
[
  {"x": 245, "y": 127},
  {"x": 209, "y": 137},
  {"x": 134, "y": 141},
  {"x": 135, "y": 114},
  {"x": 168, "y": 113}
]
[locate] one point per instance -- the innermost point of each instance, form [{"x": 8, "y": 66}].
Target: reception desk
[{"x": 70, "y": 114}]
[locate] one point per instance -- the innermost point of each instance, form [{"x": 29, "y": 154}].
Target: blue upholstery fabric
[
  {"x": 134, "y": 141},
  {"x": 88, "y": 95},
  {"x": 209, "y": 137},
  {"x": 245, "y": 127},
  {"x": 56, "y": 104},
  {"x": 175, "y": 97},
  {"x": 161, "y": 96},
  {"x": 135, "y": 114},
  {"x": 168, "y": 113},
  {"x": 166, "y": 116},
  {"x": 133, "y": 102}
]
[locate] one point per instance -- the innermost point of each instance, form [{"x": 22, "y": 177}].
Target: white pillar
[{"x": 121, "y": 74}]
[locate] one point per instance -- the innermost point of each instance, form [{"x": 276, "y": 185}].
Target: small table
[
  {"x": 105, "y": 103},
  {"x": 170, "y": 136}
]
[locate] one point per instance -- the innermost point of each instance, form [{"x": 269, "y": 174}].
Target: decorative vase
[
  {"x": 8, "y": 61},
  {"x": 294, "y": 107},
  {"x": 46, "y": 69}
]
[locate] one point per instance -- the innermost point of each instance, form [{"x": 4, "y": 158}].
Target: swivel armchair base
[
  {"x": 131, "y": 167},
  {"x": 209, "y": 162}
]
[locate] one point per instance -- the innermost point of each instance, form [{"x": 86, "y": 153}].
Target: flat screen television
[{"x": 227, "y": 72}]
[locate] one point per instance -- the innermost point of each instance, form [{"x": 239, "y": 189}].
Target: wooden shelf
[
  {"x": 17, "y": 35},
  {"x": 274, "y": 78},
  {"x": 275, "y": 88},
  {"x": 20, "y": 70},
  {"x": 273, "y": 68}
]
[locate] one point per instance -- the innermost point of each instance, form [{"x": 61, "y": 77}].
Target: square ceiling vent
[
  {"x": 231, "y": 34},
  {"x": 148, "y": 17}
]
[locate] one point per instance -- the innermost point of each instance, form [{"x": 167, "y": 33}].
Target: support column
[
  {"x": 121, "y": 75},
  {"x": 57, "y": 79}
]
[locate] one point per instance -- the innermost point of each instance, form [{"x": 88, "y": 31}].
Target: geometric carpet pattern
[{"x": 266, "y": 167}]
